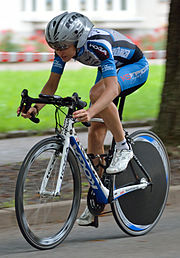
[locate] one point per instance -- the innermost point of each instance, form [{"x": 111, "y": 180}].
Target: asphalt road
[{"x": 106, "y": 241}]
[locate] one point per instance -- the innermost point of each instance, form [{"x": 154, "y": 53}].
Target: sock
[{"x": 122, "y": 145}]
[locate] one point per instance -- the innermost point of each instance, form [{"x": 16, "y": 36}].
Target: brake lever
[
  {"x": 24, "y": 94},
  {"x": 20, "y": 108}
]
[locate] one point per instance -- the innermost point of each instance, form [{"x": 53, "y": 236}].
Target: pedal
[{"x": 95, "y": 223}]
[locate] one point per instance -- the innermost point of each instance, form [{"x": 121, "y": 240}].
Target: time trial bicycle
[{"x": 48, "y": 189}]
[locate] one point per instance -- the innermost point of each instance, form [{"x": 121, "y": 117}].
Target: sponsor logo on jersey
[
  {"x": 122, "y": 52},
  {"x": 57, "y": 64},
  {"x": 100, "y": 51},
  {"x": 139, "y": 73},
  {"x": 106, "y": 68},
  {"x": 135, "y": 75},
  {"x": 126, "y": 77}
]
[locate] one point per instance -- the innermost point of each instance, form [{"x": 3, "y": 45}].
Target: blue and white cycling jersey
[{"x": 107, "y": 49}]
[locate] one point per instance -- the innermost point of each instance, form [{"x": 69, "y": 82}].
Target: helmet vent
[{"x": 57, "y": 25}]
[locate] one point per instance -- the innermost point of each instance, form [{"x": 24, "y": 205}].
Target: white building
[{"x": 30, "y": 15}]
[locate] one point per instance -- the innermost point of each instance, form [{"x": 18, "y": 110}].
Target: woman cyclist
[{"x": 122, "y": 69}]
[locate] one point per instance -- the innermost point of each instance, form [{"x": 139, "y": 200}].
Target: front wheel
[
  {"x": 45, "y": 219},
  {"x": 138, "y": 212}
]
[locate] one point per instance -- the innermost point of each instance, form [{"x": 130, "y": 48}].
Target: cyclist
[{"x": 122, "y": 69}]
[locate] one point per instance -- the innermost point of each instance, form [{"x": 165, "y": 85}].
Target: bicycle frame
[{"x": 102, "y": 193}]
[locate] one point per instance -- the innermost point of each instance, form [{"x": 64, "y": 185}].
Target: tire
[
  {"x": 46, "y": 220},
  {"x": 137, "y": 212}
]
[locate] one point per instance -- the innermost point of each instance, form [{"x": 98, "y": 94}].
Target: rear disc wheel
[{"x": 138, "y": 212}]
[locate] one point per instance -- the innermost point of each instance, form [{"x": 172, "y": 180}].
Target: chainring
[{"x": 94, "y": 206}]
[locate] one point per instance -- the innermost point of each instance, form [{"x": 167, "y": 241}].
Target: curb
[
  {"x": 28, "y": 133},
  {"x": 8, "y": 217}
]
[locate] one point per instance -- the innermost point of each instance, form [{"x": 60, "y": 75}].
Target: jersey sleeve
[
  {"x": 103, "y": 52},
  {"x": 58, "y": 65},
  {"x": 108, "y": 68}
]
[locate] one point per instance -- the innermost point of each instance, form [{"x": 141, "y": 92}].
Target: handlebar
[{"x": 74, "y": 103}]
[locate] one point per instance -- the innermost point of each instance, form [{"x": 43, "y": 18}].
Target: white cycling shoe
[
  {"x": 120, "y": 161},
  {"x": 87, "y": 219}
]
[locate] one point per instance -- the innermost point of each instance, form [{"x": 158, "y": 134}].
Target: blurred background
[{"x": 22, "y": 22}]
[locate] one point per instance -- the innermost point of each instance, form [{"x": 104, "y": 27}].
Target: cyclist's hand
[
  {"x": 82, "y": 115},
  {"x": 30, "y": 112}
]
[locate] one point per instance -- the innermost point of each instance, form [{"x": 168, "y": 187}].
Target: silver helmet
[{"x": 67, "y": 29}]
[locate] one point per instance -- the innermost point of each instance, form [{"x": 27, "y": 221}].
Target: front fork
[
  {"x": 50, "y": 168},
  {"x": 68, "y": 126},
  {"x": 62, "y": 165}
]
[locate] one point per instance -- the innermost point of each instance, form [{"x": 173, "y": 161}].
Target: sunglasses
[{"x": 59, "y": 46}]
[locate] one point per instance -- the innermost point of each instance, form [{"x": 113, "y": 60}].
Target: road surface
[{"x": 106, "y": 241}]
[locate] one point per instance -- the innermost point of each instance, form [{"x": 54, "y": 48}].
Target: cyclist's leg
[
  {"x": 130, "y": 78},
  {"x": 96, "y": 136},
  {"x": 97, "y": 131},
  {"x": 111, "y": 119}
]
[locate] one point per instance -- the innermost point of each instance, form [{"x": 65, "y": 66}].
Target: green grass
[{"x": 140, "y": 105}]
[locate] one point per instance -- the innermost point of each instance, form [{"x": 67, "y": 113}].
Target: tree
[{"x": 167, "y": 125}]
